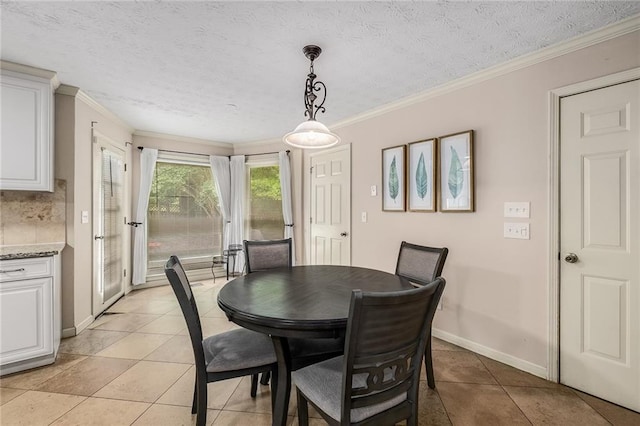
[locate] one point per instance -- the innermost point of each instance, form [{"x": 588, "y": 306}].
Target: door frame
[
  {"x": 98, "y": 139},
  {"x": 307, "y": 197},
  {"x": 553, "y": 251}
]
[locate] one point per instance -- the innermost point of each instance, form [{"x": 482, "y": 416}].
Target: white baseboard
[
  {"x": 520, "y": 364},
  {"x": 84, "y": 324},
  {"x": 68, "y": 332}
]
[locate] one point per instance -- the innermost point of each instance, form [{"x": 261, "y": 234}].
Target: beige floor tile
[
  {"x": 166, "y": 324},
  {"x": 235, "y": 418},
  {"x": 509, "y": 376},
  {"x": 211, "y": 326},
  {"x": 441, "y": 345},
  {"x": 241, "y": 399},
  {"x": 181, "y": 393},
  {"x": 146, "y": 381},
  {"x": 430, "y": 408},
  {"x": 123, "y": 322},
  {"x": 312, "y": 422},
  {"x": 135, "y": 346},
  {"x": 37, "y": 408},
  {"x": 99, "y": 412},
  {"x": 31, "y": 379},
  {"x": 157, "y": 307},
  {"x": 159, "y": 414},
  {"x": 176, "y": 349},
  {"x": 214, "y": 312},
  {"x": 618, "y": 416},
  {"x": 7, "y": 394},
  {"x": 473, "y": 404},
  {"x": 90, "y": 342},
  {"x": 87, "y": 377},
  {"x": 559, "y": 406},
  {"x": 460, "y": 367}
]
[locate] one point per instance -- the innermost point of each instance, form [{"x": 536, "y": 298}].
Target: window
[
  {"x": 183, "y": 215},
  {"x": 264, "y": 201}
]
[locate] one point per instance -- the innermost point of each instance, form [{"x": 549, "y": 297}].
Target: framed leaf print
[
  {"x": 421, "y": 176},
  {"x": 456, "y": 172},
  {"x": 393, "y": 179}
]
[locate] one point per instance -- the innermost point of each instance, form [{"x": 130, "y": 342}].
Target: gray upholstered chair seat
[
  {"x": 237, "y": 349},
  {"x": 322, "y": 383}
]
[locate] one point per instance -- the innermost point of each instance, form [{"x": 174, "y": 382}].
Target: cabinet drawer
[{"x": 20, "y": 269}]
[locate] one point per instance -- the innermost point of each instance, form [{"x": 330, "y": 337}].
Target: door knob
[
  {"x": 571, "y": 258},
  {"x": 343, "y": 234},
  {"x": 98, "y": 237}
]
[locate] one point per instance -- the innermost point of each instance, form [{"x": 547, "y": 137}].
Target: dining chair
[
  {"x": 263, "y": 255},
  {"x": 377, "y": 379},
  {"x": 421, "y": 265},
  {"x": 236, "y": 353}
]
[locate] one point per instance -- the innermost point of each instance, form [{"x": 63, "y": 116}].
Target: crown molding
[
  {"x": 187, "y": 139},
  {"x": 76, "y": 92},
  {"x": 51, "y": 76},
  {"x": 591, "y": 38}
]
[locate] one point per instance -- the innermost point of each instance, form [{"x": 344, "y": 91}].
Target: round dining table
[{"x": 302, "y": 301}]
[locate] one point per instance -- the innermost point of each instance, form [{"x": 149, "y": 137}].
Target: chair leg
[
  {"x": 303, "y": 410},
  {"x": 274, "y": 390},
  {"x": 194, "y": 405},
  {"x": 254, "y": 385},
  {"x": 428, "y": 364},
  {"x": 201, "y": 417},
  {"x": 264, "y": 379}
]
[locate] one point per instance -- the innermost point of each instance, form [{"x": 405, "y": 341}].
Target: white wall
[
  {"x": 496, "y": 293},
  {"x": 73, "y": 153}
]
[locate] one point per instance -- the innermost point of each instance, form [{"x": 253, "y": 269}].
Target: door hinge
[
  {"x": 125, "y": 272},
  {"x": 311, "y": 169}
]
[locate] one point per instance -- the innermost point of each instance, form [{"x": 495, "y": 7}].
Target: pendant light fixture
[{"x": 311, "y": 133}]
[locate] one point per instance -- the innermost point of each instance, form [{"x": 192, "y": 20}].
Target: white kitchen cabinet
[
  {"x": 29, "y": 313},
  {"x": 26, "y": 141}
]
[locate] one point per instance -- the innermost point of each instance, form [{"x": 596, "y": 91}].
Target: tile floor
[{"x": 134, "y": 366}]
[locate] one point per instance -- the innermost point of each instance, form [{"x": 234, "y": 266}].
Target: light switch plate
[
  {"x": 364, "y": 217},
  {"x": 374, "y": 191},
  {"x": 84, "y": 216},
  {"x": 517, "y": 209},
  {"x": 518, "y": 231}
]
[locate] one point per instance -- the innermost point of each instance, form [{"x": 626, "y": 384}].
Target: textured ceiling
[{"x": 235, "y": 72}]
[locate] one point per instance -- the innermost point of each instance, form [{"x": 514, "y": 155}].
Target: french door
[{"x": 108, "y": 223}]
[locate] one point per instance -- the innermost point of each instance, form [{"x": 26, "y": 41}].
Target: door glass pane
[
  {"x": 112, "y": 198},
  {"x": 264, "y": 207},
  {"x": 183, "y": 217}
]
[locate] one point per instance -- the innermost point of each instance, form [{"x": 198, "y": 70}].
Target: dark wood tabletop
[{"x": 303, "y": 301}]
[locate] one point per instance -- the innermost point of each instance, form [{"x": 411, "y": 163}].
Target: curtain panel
[
  {"x": 287, "y": 202},
  {"x": 148, "y": 158},
  {"x": 220, "y": 170},
  {"x": 238, "y": 185}
]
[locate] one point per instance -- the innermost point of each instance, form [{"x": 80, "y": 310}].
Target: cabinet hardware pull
[{"x": 3, "y": 271}]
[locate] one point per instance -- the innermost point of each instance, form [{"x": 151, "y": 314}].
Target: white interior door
[
  {"x": 600, "y": 243},
  {"x": 330, "y": 232},
  {"x": 108, "y": 224}
]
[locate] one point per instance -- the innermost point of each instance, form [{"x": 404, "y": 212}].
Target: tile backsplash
[{"x": 30, "y": 217}]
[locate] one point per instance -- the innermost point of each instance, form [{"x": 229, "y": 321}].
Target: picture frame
[
  {"x": 456, "y": 171},
  {"x": 421, "y": 176},
  {"x": 393, "y": 179}
]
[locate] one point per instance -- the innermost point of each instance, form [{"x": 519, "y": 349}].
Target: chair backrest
[
  {"x": 180, "y": 284},
  {"x": 385, "y": 342},
  {"x": 420, "y": 264},
  {"x": 267, "y": 254}
]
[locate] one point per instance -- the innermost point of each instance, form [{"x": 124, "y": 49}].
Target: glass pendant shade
[{"x": 311, "y": 134}]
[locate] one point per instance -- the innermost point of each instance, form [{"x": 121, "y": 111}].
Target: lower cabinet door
[{"x": 26, "y": 319}]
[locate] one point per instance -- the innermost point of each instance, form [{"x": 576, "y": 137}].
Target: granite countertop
[{"x": 30, "y": 250}]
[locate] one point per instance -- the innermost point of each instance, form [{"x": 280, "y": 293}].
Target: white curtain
[
  {"x": 222, "y": 178},
  {"x": 287, "y": 202},
  {"x": 236, "y": 234},
  {"x": 148, "y": 158}
]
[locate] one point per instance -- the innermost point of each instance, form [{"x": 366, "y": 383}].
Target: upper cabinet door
[{"x": 26, "y": 144}]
